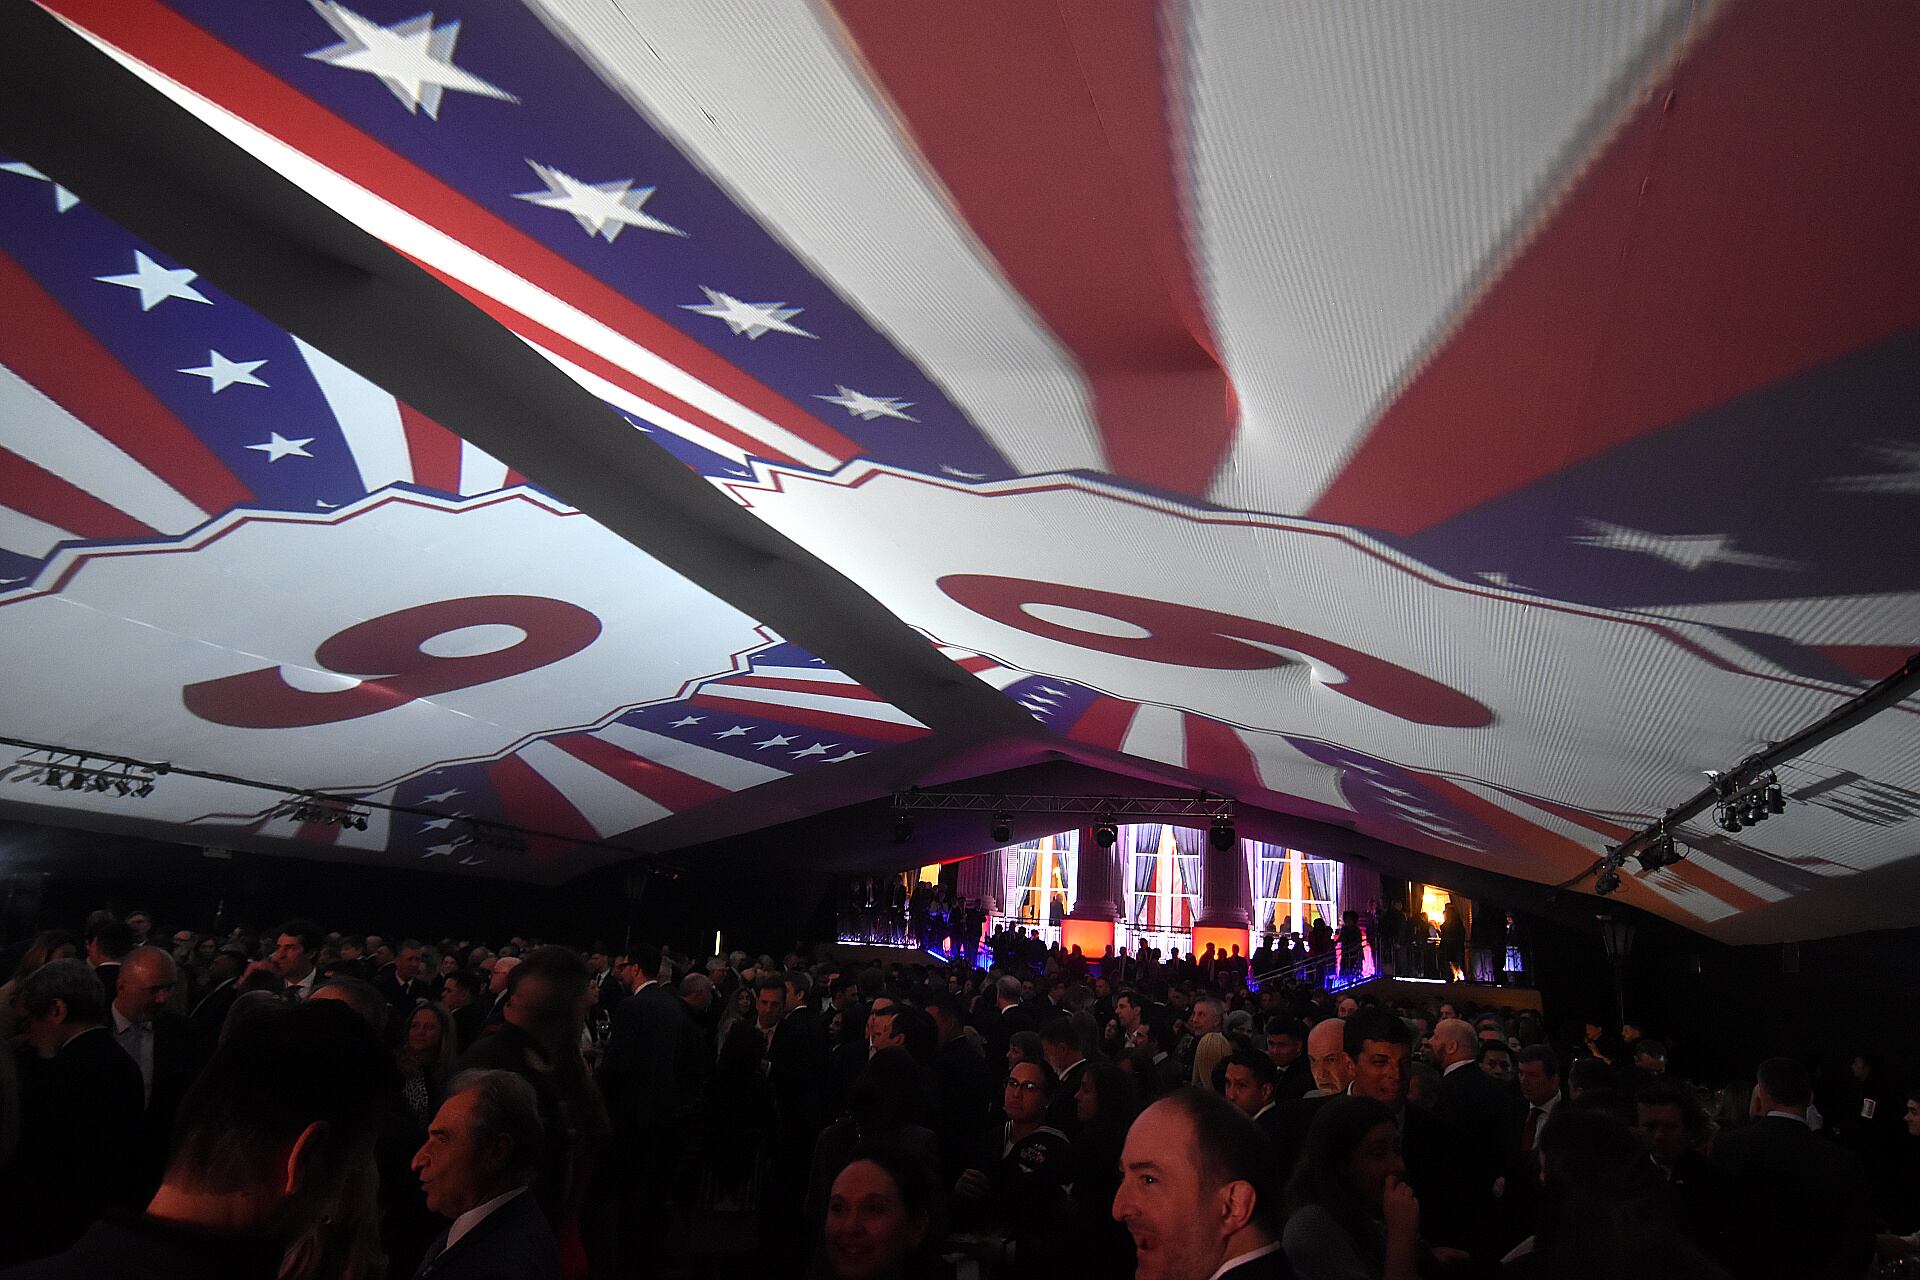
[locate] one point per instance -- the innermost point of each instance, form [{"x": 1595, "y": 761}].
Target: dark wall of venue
[
  {"x": 1722, "y": 1009},
  {"x": 53, "y": 879}
]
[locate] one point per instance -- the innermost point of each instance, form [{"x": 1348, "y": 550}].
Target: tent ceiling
[{"x": 1446, "y": 432}]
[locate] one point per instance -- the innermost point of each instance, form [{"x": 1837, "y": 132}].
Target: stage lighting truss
[
  {"x": 325, "y": 811},
  {"x": 1750, "y": 805},
  {"x": 1110, "y": 808},
  {"x": 66, "y": 771}
]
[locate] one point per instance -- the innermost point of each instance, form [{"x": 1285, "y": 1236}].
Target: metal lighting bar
[
  {"x": 322, "y": 806},
  {"x": 1098, "y": 806},
  {"x": 1740, "y": 779}
]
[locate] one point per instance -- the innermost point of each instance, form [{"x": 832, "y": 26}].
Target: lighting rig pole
[{"x": 1749, "y": 792}]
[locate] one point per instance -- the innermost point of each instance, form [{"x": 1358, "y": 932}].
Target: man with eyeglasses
[{"x": 1014, "y": 1191}]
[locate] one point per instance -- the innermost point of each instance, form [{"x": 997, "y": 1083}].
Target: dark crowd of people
[{"x": 304, "y": 1104}]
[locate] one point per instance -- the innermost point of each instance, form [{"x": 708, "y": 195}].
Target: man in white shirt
[
  {"x": 481, "y": 1152},
  {"x": 146, "y": 986}
]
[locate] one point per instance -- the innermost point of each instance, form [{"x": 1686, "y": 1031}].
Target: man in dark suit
[
  {"x": 108, "y": 941},
  {"x": 1672, "y": 1124},
  {"x": 1157, "y": 1038},
  {"x": 965, "y": 1083},
  {"x": 1287, "y": 1048},
  {"x": 209, "y": 1012},
  {"x": 640, "y": 1078},
  {"x": 402, "y": 984},
  {"x": 1062, "y": 1049},
  {"x": 1199, "y": 1194},
  {"x": 1793, "y": 1204},
  {"x": 247, "y": 1162},
  {"x": 80, "y": 1109},
  {"x": 482, "y": 1150},
  {"x": 1469, "y": 1098},
  {"x": 163, "y": 1046},
  {"x": 462, "y": 993},
  {"x": 1008, "y": 1016}
]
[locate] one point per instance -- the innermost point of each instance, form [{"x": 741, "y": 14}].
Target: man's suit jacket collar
[{"x": 441, "y": 1254}]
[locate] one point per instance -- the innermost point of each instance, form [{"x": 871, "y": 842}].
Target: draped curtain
[
  {"x": 1026, "y": 861},
  {"x": 1140, "y": 843},
  {"x": 1269, "y": 870},
  {"x": 1067, "y": 849},
  {"x": 1323, "y": 882}
]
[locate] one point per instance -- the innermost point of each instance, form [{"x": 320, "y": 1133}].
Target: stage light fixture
[
  {"x": 1105, "y": 833},
  {"x": 1002, "y": 829},
  {"x": 1776, "y": 800},
  {"x": 145, "y": 788},
  {"x": 1607, "y": 881},
  {"x": 1221, "y": 835},
  {"x": 53, "y": 778},
  {"x": 1661, "y": 853},
  {"x": 902, "y": 826}
]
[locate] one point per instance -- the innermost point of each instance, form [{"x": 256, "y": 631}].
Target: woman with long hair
[
  {"x": 739, "y": 1009},
  {"x": 1210, "y": 1058},
  {"x": 1352, "y": 1216},
  {"x": 1105, "y": 1104},
  {"x": 425, "y": 1058}
]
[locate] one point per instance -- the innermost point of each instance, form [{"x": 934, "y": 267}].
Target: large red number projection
[
  {"x": 385, "y": 654},
  {"x": 1187, "y": 636}
]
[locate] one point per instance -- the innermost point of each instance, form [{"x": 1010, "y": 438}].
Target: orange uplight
[
  {"x": 1223, "y": 938},
  {"x": 1093, "y": 937}
]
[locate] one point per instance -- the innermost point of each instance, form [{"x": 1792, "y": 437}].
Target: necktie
[{"x": 1534, "y": 1117}]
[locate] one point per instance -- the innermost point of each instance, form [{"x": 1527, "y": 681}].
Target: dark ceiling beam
[{"x": 123, "y": 147}]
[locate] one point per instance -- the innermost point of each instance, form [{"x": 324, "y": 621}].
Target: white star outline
[
  {"x": 603, "y": 209},
  {"x": 277, "y": 446},
  {"x": 414, "y": 58},
  {"x": 157, "y": 283},
  {"x": 63, "y": 199},
  {"x": 866, "y": 407},
  {"x": 1689, "y": 551},
  {"x": 222, "y": 373},
  {"x": 753, "y": 319}
]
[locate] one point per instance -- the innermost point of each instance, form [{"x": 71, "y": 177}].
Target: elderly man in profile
[
  {"x": 1199, "y": 1192},
  {"x": 481, "y": 1153}
]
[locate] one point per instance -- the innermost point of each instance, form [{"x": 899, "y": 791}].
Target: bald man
[
  {"x": 1327, "y": 1057},
  {"x": 162, "y": 1044},
  {"x": 1469, "y": 1097},
  {"x": 1288, "y": 1122}
]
